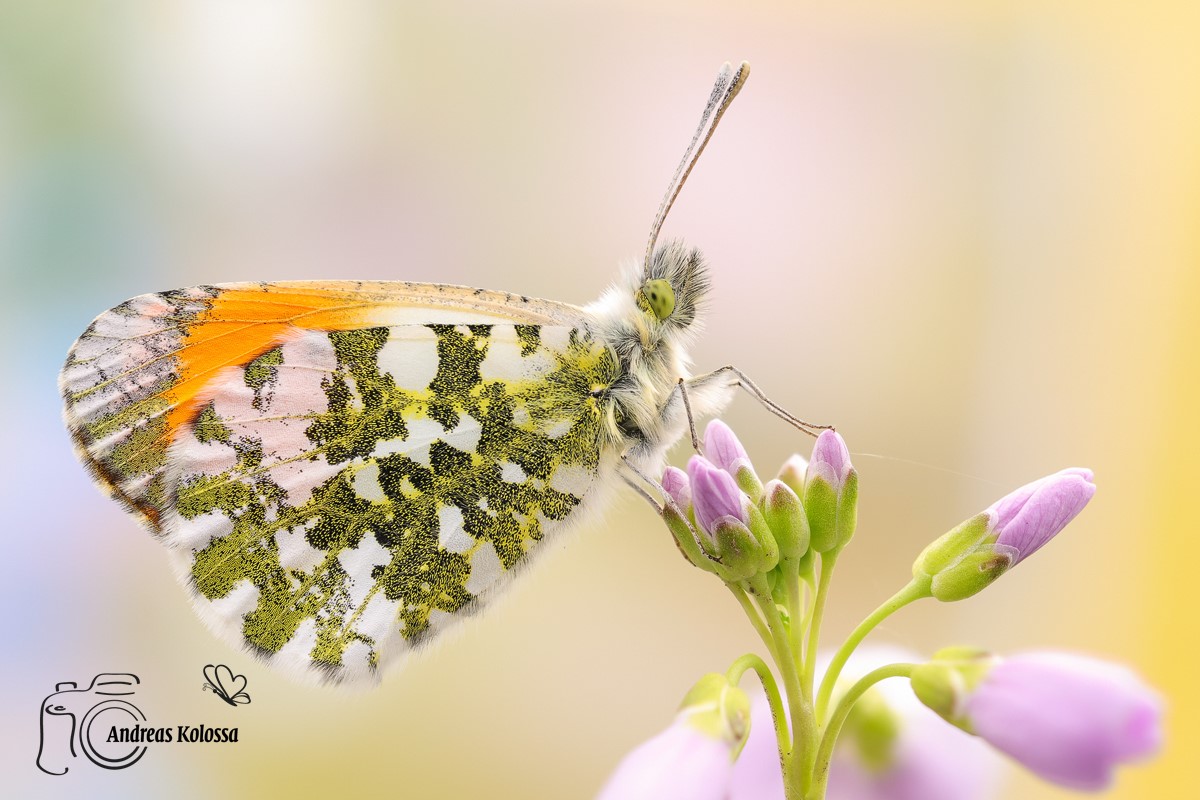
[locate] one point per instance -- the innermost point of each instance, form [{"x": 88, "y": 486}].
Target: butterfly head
[
  {"x": 672, "y": 287},
  {"x": 656, "y": 306}
]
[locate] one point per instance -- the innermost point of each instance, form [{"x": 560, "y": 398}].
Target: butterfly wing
[{"x": 337, "y": 482}]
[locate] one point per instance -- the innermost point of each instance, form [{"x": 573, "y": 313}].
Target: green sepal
[
  {"x": 785, "y": 515},
  {"x": 944, "y": 683},
  {"x": 972, "y": 574},
  {"x": 686, "y": 539},
  {"x": 847, "y": 513},
  {"x": 821, "y": 507},
  {"x": 765, "y": 538},
  {"x": 952, "y": 546},
  {"x": 748, "y": 481},
  {"x": 737, "y": 549},
  {"x": 941, "y": 688}
]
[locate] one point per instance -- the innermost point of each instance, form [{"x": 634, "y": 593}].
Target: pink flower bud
[
  {"x": 1028, "y": 517},
  {"x": 722, "y": 447},
  {"x": 830, "y": 494},
  {"x": 715, "y": 494},
  {"x": 976, "y": 553},
  {"x": 830, "y": 460},
  {"x": 676, "y": 486}
]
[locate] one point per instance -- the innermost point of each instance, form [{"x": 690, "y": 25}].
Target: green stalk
[
  {"x": 828, "y": 561},
  {"x": 796, "y": 612},
  {"x": 825, "y": 753},
  {"x": 755, "y": 619},
  {"x": 913, "y": 591},
  {"x": 751, "y": 661},
  {"x": 796, "y": 763}
]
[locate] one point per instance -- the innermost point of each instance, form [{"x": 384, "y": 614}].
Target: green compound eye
[{"x": 657, "y": 297}]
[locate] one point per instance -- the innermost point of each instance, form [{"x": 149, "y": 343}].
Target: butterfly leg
[
  {"x": 691, "y": 419},
  {"x": 735, "y": 377},
  {"x": 629, "y": 473}
]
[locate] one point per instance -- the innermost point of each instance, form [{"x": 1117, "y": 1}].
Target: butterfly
[{"x": 342, "y": 470}]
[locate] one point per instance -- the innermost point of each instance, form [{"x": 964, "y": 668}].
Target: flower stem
[
  {"x": 755, "y": 619},
  {"x": 825, "y": 753},
  {"x": 797, "y": 762},
  {"x": 913, "y": 591},
  {"x": 751, "y": 661},
  {"x": 828, "y": 561},
  {"x": 796, "y": 611}
]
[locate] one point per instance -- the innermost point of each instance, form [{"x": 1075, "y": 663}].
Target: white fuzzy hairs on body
[{"x": 644, "y": 402}]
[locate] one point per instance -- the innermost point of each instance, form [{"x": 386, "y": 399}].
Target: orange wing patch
[
  {"x": 139, "y": 373},
  {"x": 242, "y": 324}
]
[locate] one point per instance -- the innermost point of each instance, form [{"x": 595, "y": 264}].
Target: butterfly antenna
[{"x": 729, "y": 83}]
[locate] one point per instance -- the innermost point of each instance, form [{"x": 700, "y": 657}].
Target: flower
[
  {"x": 693, "y": 758},
  {"x": 970, "y": 557},
  {"x": 681, "y": 762},
  {"x": 722, "y": 448},
  {"x": 792, "y": 472},
  {"x": 676, "y": 486},
  {"x": 786, "y": 518},
  {"x": 1034, "y": 514},
  {"x": 715, "y": 495},
  {"x": 830, "y": 460},
  {"x": 892, "y": 747},
  {"x": 724, "y": 513},
  {"x": 1069, "y": 718},
  {"x": 725, "y": 452},
  {"x": 830, "y": 493},
  {"x": 757, "y": 774}
]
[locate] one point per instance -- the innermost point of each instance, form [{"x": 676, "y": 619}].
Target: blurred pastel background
[{"x": 966, "y": 233}]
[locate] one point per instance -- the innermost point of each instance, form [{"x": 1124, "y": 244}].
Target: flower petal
[
  {"x": 1070, "y": 719},
  {"x": 681, "y": 762},
  {"x": 1034, "y": 514},
  {"x": 721, "y": 446},
  {"x": 715, "y": 494},
  {"x": 676, "y": 486},
  {"x": 830, "y": 459},
  {"x": 931, "y": 760}
]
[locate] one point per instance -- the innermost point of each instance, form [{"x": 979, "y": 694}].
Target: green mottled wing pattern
[{"x": 349, "y": 494}]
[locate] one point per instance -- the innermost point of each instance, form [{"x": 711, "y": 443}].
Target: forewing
[
  {"x": 346, "y": 494},
  {"x": 142, "y": 370}
]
